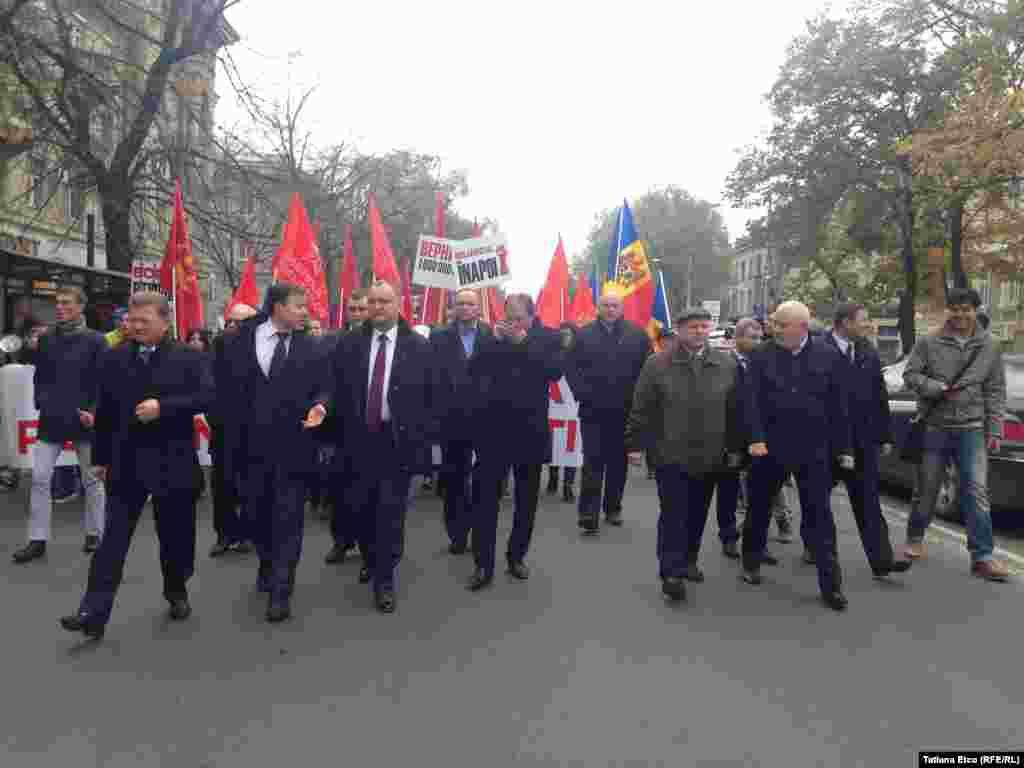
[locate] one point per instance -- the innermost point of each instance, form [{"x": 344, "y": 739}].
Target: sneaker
[
  {"x": 991, "y": 570},
  {"x": 915, "y": 550}
]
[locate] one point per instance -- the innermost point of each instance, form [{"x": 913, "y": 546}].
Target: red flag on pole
[
  {"x": 246, "y": 293},
  {"x": 349, "y": 274},
  {"x": 383, "y": 264},
  {"x": 407, "y": 311},
  {"x": 435, "y": 300},
  {"x": 582, "y": 310},
  {"x": 178, "y": 272},
  {"x": 298, "y": 260},
  {"x": 553, "y": 302}
]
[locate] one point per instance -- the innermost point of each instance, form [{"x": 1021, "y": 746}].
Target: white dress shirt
[
  {"x": 266, "y": 343},
  {"x": 389, "y": 358},
  {"x": 844, "y": 345}
]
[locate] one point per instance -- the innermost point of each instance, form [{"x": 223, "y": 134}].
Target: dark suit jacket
[
  {"x": 66, "y": 379},
  {"x": 263, "y": 419},
  {"x": 870, "y": 416},
  {"x": 410, "y": 398},
  {"x": 799, "y": 403},
  {"x": 159, "y": 456},
  {"x": 512, "y": 382},
  {"x": 457, "y": 403},
  {"x": 605, "y": 366}
]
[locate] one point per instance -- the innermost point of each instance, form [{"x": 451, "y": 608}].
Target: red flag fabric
[
  {"x": 434, "y": 301},
  {"x": 407, "y": 310},
  {"x": 247, "y": 292},
  {"x": 349, "y": 274},
  {"x": 582, "y": 310},
  {"x": 383, "y": 264},
  {"x": 553, "y": 302},
  {"x": 298, "y": 260},
  {"x": 178, "y": 272}
]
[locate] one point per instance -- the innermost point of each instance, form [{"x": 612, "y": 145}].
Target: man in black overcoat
[
  {"x": 278, "y": 394},
  {"x": 384, "y": 424},
  {"x": 512, "y": 379},
  {"x": 150, "y": 391}
]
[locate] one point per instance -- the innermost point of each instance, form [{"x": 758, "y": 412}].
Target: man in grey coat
[{"x": 962, "y": 420}]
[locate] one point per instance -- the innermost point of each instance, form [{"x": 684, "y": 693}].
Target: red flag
[
  {"x": 434, "y": 301},
  {"x": 349, "y": 274},
  {"x": 407, "y": 312},
  {"x": 553, "y": 302},
  {"x": 178, "y": 272},
  {"x": 384, "y": 267},
  {"x": 246, "y": 293},
  {"x": 582, "y": 310},
  {"x": 298, "y": 260}
]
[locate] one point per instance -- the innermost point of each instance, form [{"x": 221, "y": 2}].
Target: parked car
[{"x": 1006, "y": 468}]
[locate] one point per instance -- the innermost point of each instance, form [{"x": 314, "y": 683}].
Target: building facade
[{"x": 755, "y": 283}]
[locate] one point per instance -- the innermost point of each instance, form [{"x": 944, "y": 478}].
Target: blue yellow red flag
[
  {"x": 661, "y": 318},
  {"x": 632, "y": 270}
]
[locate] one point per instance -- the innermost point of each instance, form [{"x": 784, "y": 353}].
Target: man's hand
[
  {"x": 87, "y": 419},
  {"x": 758, "y": 450},
  {"x": 886, "y": 449},
  {"x": 994, "y": 444},
  {"x": 636, "y": 458},
  {"x": 148, "y": 410},
  {"x": 846, "y": 462},
  {"x": 101, "y": 473},
  {"x": 315, "y": 417}
]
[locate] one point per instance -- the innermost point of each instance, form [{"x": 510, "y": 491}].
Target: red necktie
[{"x": 375, "y": 398}]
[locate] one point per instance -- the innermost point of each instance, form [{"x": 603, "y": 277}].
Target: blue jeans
[{"x": 969, "y": 449}]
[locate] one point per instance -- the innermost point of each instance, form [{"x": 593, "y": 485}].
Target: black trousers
[
  {"x": 379, "y": 501},
  {"x": 175, "y": 518},
  {"x": 485, "y": 523},
  {"x": 276, "y": 503},
  {"x": 814, "y": 484},
  {"x": 725, "y": 505},
  {"x": 461, "y": 493},
  {"x": 604, "y": 466},
  {"x": 320, "y": 480},
  {"x": 229, "y": 519},
  {"x": 684, "y": 500},
  {"x": 863, "y": 485},
  {"x": 345, "y": 524}
]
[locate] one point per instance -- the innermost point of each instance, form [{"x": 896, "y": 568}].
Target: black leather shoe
[
  {"x": 674, "y": 588},
  {"x": 614, "y": 519},
  {"x": 518, "y": 570},
  {"x": 457, "y": 549},
  {"x": 808, "y": 557},
  {"x": 589, "y": 527},
  {"x": 364, "y": 575},
  {"x": 731, "y": 549},
  {"x": 336, "y": 555},
  {"x": 752, "y": 577},
  {"x": 92, "y": 543},
  {"x": 220, "y": 548},
  {"x": 835, "y": 600},
  {"x": 278, "y": 610},
  {"x": 479, "y": 580},
  {"x": 767, "y": 558},
  {"x": 81, "y": 622},
  {"x": 180, "y": 609},
  {"x": 694, "y": 573},
  {"x": 385, "y": 600},
  {"x": 896, "y": 566},
  {"x": 31, "y": 551},
  {"x": 242, "y": 547}
]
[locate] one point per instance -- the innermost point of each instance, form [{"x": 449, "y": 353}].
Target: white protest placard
[
  {"x": 563, "y": 416},
  {"x": 481, "y": 262}
]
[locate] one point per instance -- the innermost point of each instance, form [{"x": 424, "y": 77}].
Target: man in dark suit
[
  {"x": 279, "y": 392},
  {"x": 607, "y": 358},
  {"x": 150, "y": 391},
  {"x": 228, "y": 516},
  {"x": 383, "y": 423},
  {"x": 454, "y": 347},
  {"x": 872, "y": 434},
  {"x": 512, "y": 379},
  {"x": 799, "y": 424}
]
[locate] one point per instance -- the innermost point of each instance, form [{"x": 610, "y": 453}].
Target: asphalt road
[{"x": 584, "y": 665}]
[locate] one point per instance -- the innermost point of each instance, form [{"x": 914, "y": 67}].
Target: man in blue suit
[{"x": 799, "y": 424}]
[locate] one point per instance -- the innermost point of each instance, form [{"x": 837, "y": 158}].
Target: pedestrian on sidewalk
[
  {"x": 958, "y": 376},
  {"x": 66, "y": 381}
]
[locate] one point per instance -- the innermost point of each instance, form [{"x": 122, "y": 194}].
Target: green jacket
[{"x": 688, "y": 411}]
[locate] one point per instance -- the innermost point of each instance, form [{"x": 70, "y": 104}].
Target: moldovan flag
[
  {"x": 298, "y": 260},
  {"x": 349, "y": 275},
  {"x": 178, "y": 272},
  {"x": 247, "y": 292},
  {"x": 632, "y": 270},
  {"x": 661, "y": 318},
  {"x": 435, "y": 300},
  {"x": 553, "y": 302},
  {"x": 383, "y": 263},
  {"x": 582, "y": 310}
]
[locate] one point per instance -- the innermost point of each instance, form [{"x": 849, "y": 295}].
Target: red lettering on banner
[
  {"x": 202, "y": 431},
  {"x": 28, "y": 436},
  {"x": 555, "y": 392},
  {"x": 571, "y": 428}
]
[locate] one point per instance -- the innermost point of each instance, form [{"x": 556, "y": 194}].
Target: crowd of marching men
[{"x": 350, "y": 418}]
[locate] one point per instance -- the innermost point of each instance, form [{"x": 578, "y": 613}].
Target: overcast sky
[{"x": 556, "y": 110}]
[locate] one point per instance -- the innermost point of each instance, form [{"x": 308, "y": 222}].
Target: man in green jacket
[{"x": 688, "y": 412}]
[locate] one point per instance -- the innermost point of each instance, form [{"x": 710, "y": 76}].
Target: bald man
[
  {"x": 228, "y": 519},
  {"x": 799, "y": 424}
]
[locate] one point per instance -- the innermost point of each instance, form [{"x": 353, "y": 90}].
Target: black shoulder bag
[{"x": 912, "y": 448}]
